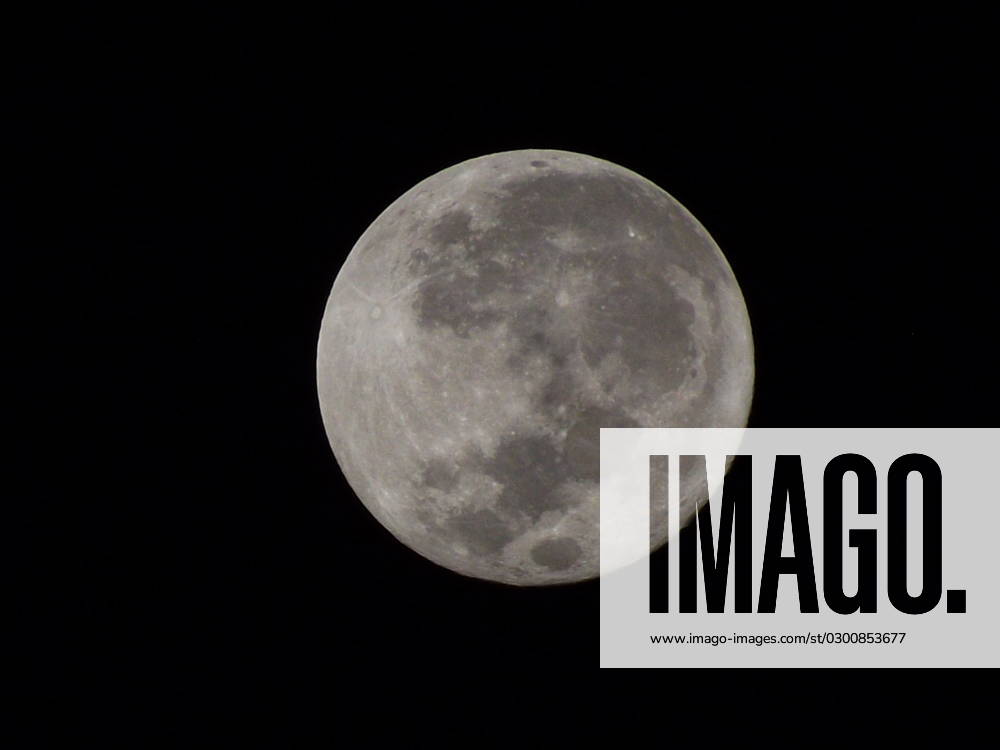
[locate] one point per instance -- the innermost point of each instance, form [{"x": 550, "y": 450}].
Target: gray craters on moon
[
  {"x": 490, "y": 323},
  {"x": 440, "y": 475},
  {"x": 418, "y": 261},
  {"x": 556, "y": 554},
  {"x": 438, "y": 304},
  {"x": 649, "y": 325},
  {"x": 529, "y": 469},
  {"x": 451, "y": 229},
  {"x": 548, "y": 200},
  {"x": 482, "y": 531}
]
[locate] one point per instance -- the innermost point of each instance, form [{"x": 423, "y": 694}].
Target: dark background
[{"x": 190, "y": 187}]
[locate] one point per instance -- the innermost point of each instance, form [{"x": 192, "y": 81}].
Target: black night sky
[{"x": 191, "y": 187}]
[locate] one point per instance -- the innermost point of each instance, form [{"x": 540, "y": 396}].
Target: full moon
[{"x": 487, "y": 325}]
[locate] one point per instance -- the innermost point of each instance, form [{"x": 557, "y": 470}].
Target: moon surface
[{"x": 487, "y": 325}]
